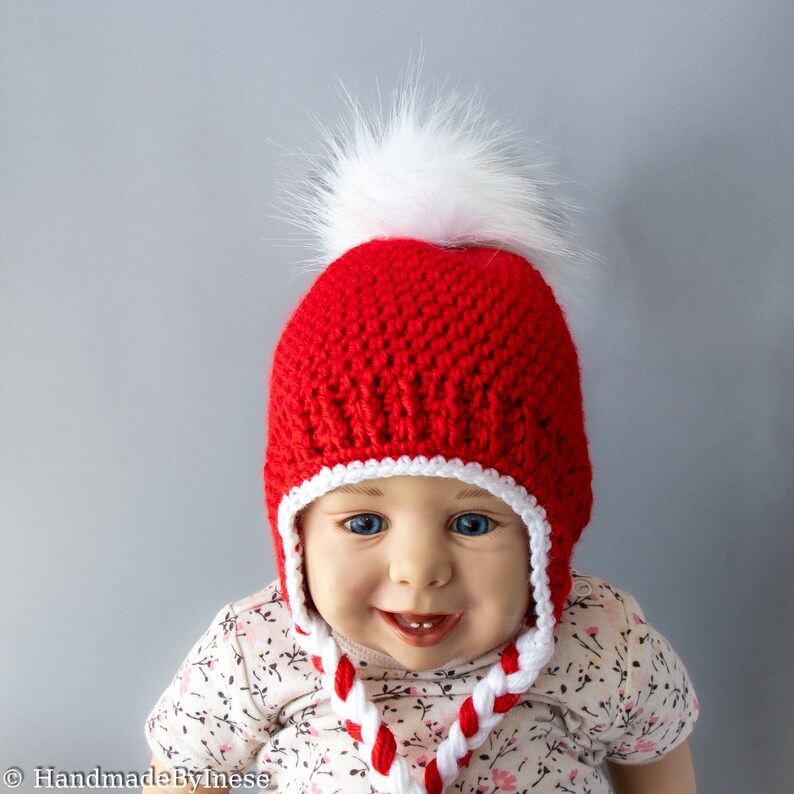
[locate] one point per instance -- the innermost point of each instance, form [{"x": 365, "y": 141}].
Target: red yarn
[
  {"x": 504, "y": 703},
  {"x": 354, "y": 730},
  {"x": 467, "y": 717},
  {"x": 383, "y": 750},
  {"x": 433, "y": 782},
  {"x": 509, "y": 659},
  {"x": 345, "y": 675}
]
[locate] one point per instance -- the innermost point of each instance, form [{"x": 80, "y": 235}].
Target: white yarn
[
  {"x": 435, "y": 168},
  {"x": 535, "y": 646}
]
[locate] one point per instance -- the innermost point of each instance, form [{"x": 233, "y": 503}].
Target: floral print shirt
[{"x": 246, "y": 694}]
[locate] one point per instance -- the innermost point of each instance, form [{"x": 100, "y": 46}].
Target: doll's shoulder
[
  {"x": 268, "y": 601},
  {"x": 247, "y": 648},
  {"x": 594, "y": 598},
  {"x": 250, "y": 632},
  {"x": 233, "y": 688},
  {"x": 617, "y": 677},
  {"x": 259, "y": 621},
  {"x": 598, "y": 618},
  {"x": 597, "y": 625}
]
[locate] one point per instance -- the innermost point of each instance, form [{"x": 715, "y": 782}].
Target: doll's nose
[{"x": 420, "y": 561}]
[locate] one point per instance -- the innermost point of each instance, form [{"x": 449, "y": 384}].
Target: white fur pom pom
[{"x": 436, "y": 170}]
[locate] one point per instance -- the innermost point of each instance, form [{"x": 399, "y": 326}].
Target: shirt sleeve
[
  {"x": 206, "y": 718},
  {"x": 657, "y": 706}
]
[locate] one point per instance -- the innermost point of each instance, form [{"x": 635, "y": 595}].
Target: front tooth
[
  {"x": 416, "y": 626},
  {"x": 427, "y": 625}
]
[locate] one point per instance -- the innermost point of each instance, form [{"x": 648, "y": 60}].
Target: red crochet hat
[{"x": 431, "y": 345}]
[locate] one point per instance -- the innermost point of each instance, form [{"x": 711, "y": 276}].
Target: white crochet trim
[{"x": 535, "y": 646}]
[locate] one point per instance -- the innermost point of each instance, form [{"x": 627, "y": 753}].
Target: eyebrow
[
  {"x": 472, "y": 492},
  {"x": 369, "y": 490}
]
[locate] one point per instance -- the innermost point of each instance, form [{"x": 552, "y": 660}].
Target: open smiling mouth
[{"x": 421, "y": 631}]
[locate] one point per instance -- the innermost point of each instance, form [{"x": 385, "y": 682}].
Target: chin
[
  {"x": 422, "y": 665},
  {"x": 423, "y": 659}
]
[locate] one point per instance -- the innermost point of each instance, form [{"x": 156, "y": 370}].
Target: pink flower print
[
  {"x": 212, "y": 664},
  {"x": 316, "y": 789},
  {"x": 224, "y": 748},
  {"x": 183, "y": 684},
  {"x": 503, "y": 780},
  {"x": 314, "y": 732},
  {"x": 412, "y": 690},
  {"x": 572, "y": 776},
  {"x": 422, "y": 761},
  {"x": 482, "y": 789},
  {"x": 592, "y": 633},
  {"x": 644, "y": 746},
  {"x": 636, "y": 618},
  {"x": 326, "y": 759},
  {"x": 653, "y": 719},
  {"x": 238, "y": 626}
]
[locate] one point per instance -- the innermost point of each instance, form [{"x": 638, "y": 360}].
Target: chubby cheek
[
  {"x": 339, "y": 585},
  {"x": 513, "y": 613},
  {"x": 505, "y": 613},
  {"x": 500, "y": 583}
]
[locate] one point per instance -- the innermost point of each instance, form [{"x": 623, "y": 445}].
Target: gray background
[{"x": 143, "y": 286}]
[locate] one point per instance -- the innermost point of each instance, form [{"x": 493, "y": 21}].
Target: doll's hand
[{"x": 671, "y": 774}]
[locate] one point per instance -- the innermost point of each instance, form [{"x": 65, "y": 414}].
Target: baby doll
[{"x": 426, "y": 478}]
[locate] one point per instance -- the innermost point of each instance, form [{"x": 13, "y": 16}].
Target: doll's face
[{"x": 424, "y": 569}]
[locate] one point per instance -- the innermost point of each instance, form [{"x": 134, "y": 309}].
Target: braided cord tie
[{"x": 389, "y": 772}]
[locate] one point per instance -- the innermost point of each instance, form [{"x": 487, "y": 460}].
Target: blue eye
[
  {"x": 473, "y": 525},
  {"x": 365, "y": 524}
]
